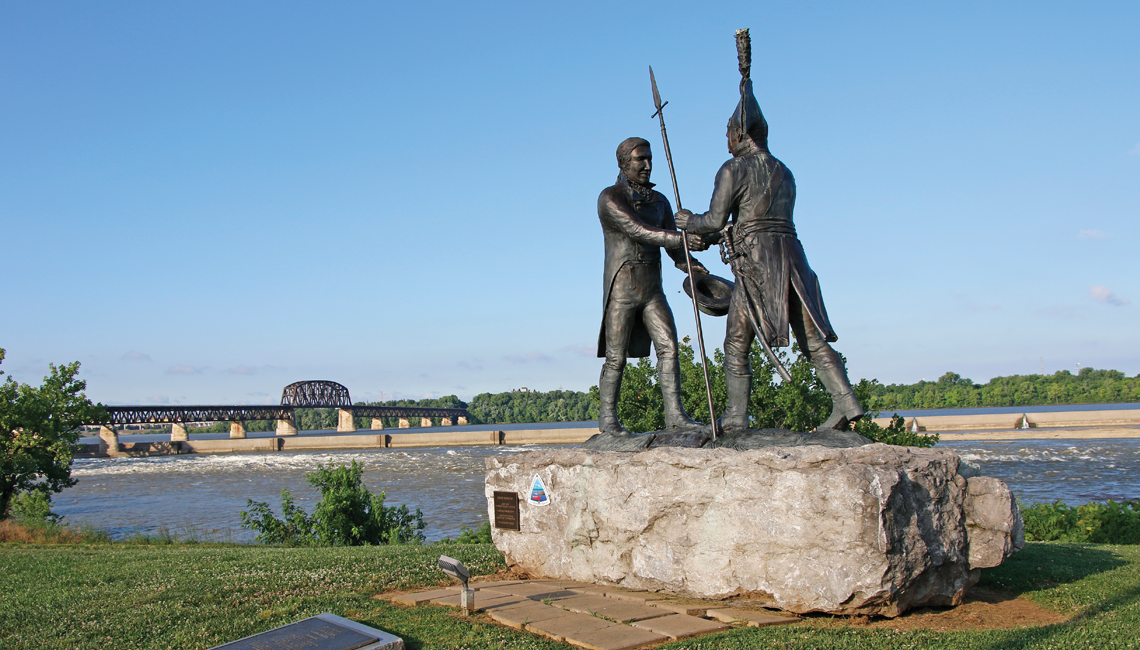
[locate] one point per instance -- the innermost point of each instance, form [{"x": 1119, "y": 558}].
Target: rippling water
[
  {"x": 1073, "y": 471},
  {"x": 205, "y": 493}
]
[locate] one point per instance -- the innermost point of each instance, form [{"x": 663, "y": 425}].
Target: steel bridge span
[{"x": 303, "y": 394}]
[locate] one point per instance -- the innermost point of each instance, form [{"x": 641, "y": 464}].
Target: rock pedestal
[{"x": 876, "y": 529}]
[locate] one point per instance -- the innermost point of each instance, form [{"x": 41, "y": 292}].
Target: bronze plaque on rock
[{"x": 506, "y": 510}]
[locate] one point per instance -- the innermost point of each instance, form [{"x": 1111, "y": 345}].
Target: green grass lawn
[{"x": 109, "y": 596}]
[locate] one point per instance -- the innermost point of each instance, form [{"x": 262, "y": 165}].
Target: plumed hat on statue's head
[{"x": 747, "y": 119}]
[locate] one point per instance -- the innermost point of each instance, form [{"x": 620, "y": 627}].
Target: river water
[{"x": 204, "y": 494}]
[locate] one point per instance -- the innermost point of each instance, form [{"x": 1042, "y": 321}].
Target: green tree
[
  {"x": 39, "y": 432},
  {"x": 347, "y": 514},
  {"x": 1090, "y": 386},
  {"x": 799, "y": 405}
]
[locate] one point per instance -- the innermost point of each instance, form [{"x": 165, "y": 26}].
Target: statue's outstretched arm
[{"x": 725, "y": 198}]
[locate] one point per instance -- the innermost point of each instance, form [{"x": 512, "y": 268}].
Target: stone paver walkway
[{"x": 594, "y": 616}]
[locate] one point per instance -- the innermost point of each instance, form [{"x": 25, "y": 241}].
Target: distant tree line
[
  {"x": 800, "y": 405},
  {"x": 533, "y": 406},
  {"x": 952, "y": 390}
]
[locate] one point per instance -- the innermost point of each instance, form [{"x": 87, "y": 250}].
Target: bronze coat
[
  {"x": 635, "y": 230},
  {"x": 759, "y": 193}
]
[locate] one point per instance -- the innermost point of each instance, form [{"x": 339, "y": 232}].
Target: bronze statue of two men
[{"x": 750, "y": 214}]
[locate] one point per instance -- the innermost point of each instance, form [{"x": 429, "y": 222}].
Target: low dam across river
[{"x": 1003, "y": 423}]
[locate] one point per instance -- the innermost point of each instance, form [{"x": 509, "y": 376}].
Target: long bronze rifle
[{"x": 685, "y": 247}]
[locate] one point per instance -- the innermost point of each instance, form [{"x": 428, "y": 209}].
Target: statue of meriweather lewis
[{"x": 637, "y": 223}]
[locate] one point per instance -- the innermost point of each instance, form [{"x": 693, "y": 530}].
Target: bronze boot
[
  {"x": 609, "y": 387},
  {"x": 845, "y": 406},
  {"x": 675, "y": 415},
  {"x": 735, "y": 417}
]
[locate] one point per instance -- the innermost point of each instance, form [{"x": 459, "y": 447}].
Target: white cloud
[
  {"x": 1092, "y": 234},
  {"x": 159, "y": 399},
  {"x": 183, "y": 370},
  {"x": 583, "y": 350},
  {"x": 1136, "y": 149},
  {"x": 243, "y": 370},
  {"x": 1106, "y": 295},
  {"x": 529, "y": 356},
  {"x": 132, "y": 355}
]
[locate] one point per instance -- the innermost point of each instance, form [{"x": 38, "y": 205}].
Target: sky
[{"x": 203, "y": 202}]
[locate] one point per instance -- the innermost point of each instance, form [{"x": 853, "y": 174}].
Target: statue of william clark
[
  {"x": 637, "y": 222},
  {"x": 773, "y": 278}
]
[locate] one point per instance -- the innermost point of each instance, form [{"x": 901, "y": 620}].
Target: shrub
[
  {"x": 467, "y": 536},
  {"x": 347, "y": 515},
  {"x": 34, "y": 509},
  {"x": 1092, "y": 523},
  {"x": 896, "y": 432}
]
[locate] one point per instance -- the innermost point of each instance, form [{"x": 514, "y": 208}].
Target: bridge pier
[
  {"x": 377, "y": 424},
  {"x": 237, "y": 429},
  {"x": 462, "y": 419},
  {"x": 404, "y": 424},
  {"x": 425, "y": 422},
  {"x": 344, "y": 421},
  {"x": 178, "y": 432},
  {"x": 286, "y": 427},
  {"x": 445, "y": 422},
  {"x": 108, "y": 440}
]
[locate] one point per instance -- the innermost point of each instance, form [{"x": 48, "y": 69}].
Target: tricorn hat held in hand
[{"x": 714, "y": 293}]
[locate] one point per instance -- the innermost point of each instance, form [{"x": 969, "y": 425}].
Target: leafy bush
[
  {"x": 39, "y": 429},
  {"x": 1092, "y": 523},
  {"x": 467, "y": 536},
  {"x": 347, "y": 515},
  {"x": 799, "y": 405},
  {"x": 34, "y": 509},
  {"x": 896, "y": 432}
]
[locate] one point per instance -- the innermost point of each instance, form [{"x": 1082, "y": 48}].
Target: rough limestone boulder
[{"x": 876, "y": 529}]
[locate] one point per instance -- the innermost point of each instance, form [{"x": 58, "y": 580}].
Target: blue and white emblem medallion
[{"x": 538, "y": 494}]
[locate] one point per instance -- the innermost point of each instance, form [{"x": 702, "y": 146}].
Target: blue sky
[{"x": 203, "y": 202}]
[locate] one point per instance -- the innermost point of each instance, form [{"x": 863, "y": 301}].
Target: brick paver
[
  {"x": 681, "y": 626},
  {"x": 621, "y": 637},
  {"x": 590, "y": 590},
  {"x": 569, "y": 625},
  {"x": 534, "y": 592},
  {"x": 560, "y": 584},
  {"x": 626, "y": 612},
  {"x": 517, "y": 616},
  {"x": 615, "y": 610},
  {"x": 593, "y": 616},
  {"x": 751, "y": 617},
  {"x": 636, "y": 596},
  {"x": 584, "y": 604},
  {"x": 424, "y": 596},
  {"x": 691, "y": 609},
  {"x": 476, "y": 586},
  {"x": 483, "y": 600}
]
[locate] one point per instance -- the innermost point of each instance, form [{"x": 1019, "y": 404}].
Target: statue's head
[
  {"x": 747, "y": 122},
  {"x": 635, "y": 159}
]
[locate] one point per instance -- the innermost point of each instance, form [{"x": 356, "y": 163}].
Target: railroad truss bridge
[{"x": 302, "y": 394}]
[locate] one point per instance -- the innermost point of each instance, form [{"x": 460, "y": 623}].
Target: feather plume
[{"x": 744, "y": 55}]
